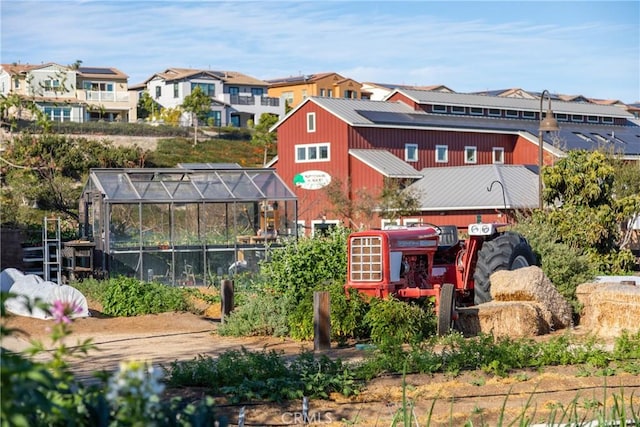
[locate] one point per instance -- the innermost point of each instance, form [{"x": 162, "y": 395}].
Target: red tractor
[{"x": 429, "y": 261}]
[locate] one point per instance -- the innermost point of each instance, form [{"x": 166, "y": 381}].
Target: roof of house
[
  {"x": 571, "y": 136},
  {"x": 475, "y": 187},
  {"x": 229, "y": 77},
  {"x": 521, "y": 104},
  {"x": 15, "y": 69},
  {"x": 301, "y": 79},
  {"x": 385, "y": 163},
  {"x": 101, "y": 73},
  {"x": 391, "y": 86}
]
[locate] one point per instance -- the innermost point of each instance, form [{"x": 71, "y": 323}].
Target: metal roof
[
  {"x": 520, "y": 104},
  {"x": 386, "y": 163},
  {"x": 467, "y": 187},
  {"x": 622, "y": 139},
  {"x": 187, "y": 185}
]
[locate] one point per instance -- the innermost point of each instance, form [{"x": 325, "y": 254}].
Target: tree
[
  {"x": 198, "y": 104},
  {"x": 147, "y": 106},
  {"x": 261, "y": 135},
  {"x": 391, "y": 202},
  {"x": 585, "y": 212},
  {"x": 48, "y": 171}
]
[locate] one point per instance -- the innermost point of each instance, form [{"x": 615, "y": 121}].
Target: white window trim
[
  {"x": 511, "y": 113},
  {"x": 306, "y": 147},
  {"x": 592, "y": 119},
  {"x": 607, "y": 119},
  {"x": 411, "y": 221},
  {"x": 446, "y": 154},
  {"x": 311, "y": 118},
  {"x": 498, "y": 150},
  {"x": 439, "y": 108},
  {"x": 386, "y": 222},
  {"x": 315, "y": 222},
  {"x": 577, "y": 118},
  {"x": 406, "y": 152},
  {"x": 457, "y": 109},
  {"x": 300, "y": 227},
  {"x": 494, "y": 112},
  {"x": 475, "y": 154},
  {"x": 476, "y": 111},
  {"x": 528, "y": 115}
]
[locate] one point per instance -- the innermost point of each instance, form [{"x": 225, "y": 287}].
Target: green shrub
[
  {"x": 563, "y": 265},
  {"x": 262, "y": 314},
  {"x": 395, "y": 322},
  {"x": 302, "y": 267},
  {"x": 125, "y": 296}
]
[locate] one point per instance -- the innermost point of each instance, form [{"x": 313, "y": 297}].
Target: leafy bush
[
  {"x": 302, "y": 267},
  {"x": 566, "y": 267},
  {"x": 125, "y": 296},
  {"x": 263, "y": 314},
  {"x": 395, "y": 322}
]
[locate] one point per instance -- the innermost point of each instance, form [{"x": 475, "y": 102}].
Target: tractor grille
[{"x": 366, "y": 259}]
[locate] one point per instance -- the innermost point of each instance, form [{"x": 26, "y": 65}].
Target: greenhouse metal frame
[{"x": 188, "y": 226}]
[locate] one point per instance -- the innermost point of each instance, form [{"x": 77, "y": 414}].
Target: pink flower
[{"x": 62, "y": 311}]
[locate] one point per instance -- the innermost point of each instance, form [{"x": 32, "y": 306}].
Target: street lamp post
[{"x": 549, "y": 124}]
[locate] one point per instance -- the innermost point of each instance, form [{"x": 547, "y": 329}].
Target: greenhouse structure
[{"x": 186, "y": 226}]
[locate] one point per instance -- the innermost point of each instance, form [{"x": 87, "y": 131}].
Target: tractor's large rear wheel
[
  {"x": 508, "y": 251},
  {"x": 446, "y": 308}
]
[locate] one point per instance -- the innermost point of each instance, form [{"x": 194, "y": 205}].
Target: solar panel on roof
[{"x": 95, "y": 70}]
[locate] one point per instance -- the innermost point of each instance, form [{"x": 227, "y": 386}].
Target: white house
[{"x": 235, "y": 97}]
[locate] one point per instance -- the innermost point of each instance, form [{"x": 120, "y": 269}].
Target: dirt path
[{"x": 437, "y": 400}]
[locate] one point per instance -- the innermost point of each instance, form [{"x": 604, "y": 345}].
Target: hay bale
[
  {"x": 514, "y": 319},
  {"x": 609, "y": 308},
  {"x": 530, "y": 284}
]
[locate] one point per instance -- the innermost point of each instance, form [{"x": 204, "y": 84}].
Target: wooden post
[
  {"x": 321, "y": 321},
  {"x": 226, "y": 296}
]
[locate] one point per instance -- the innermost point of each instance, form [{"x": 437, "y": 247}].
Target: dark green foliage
[
  {"x": 262, "y": 314},
  {"x": 48, "y": 169},
  {"x": 125, "y": 296},
  {"x": 244, "y": 375},
  {"x": 102, "y": 129},
  {"x": 302, "y": 267},
  {"x": 565, "y": 266},
  {"x": 393, "y": 322},
  {"x": 170, "y": 152}
]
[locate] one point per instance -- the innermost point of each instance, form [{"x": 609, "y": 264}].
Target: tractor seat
[{"x": 448, "y": 236}]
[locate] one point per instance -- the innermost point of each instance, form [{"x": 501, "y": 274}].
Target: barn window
[
  {"x": 442, "y": 154},
  {"x": 498, "y": 155},
  {"x": 411, "y": 152},
  {"x": 311, "y": 122},
  {"x": 312, "y": 153},
  {"x": 470, "y": 154}
]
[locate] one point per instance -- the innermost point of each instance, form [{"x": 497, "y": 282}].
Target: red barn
[{"x": 467, "y": 156}]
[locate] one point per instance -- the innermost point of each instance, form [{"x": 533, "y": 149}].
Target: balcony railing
[
  {"x": 251, "y": 100},
  {"x": 106, "y": 96}
]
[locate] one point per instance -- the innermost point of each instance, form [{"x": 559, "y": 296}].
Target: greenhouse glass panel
[
  {"x": 158, "y": 267},
  {"x": 272, "y": 185},
  {"x": 214, "y": 223},
  {"x": 152, "y": 191},
  {"x": 185, "y": 225},
  {"x": 124, "y": 229},
  {"x": 242, "y": 186},
  {"x": 183, "y": 191},
  {"x": 125, "y": 264},
  {"x": 218, "y": 265},
  {"x": 156, "y": 225},
  {"x": 246, "y": 220},
  {"x": 117, "y": 186},
  {"x": 213, "y": 189},
  {"x": 189, "y": 269}
]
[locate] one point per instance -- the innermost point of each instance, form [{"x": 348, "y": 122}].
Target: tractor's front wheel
[
  {"x": 508, "y": 251},
  {"x": 446, "y": 307}
]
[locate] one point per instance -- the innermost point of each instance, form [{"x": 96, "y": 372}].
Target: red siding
[
  {"x": 292, "y": 132},
  {"x": 394, "y": 140}
]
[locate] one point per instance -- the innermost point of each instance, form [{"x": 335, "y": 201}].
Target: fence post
[
  {"x": 321, "y": 321},
  {"x": 226, "y": 297}
]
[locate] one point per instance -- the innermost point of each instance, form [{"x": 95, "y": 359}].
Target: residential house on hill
[
  {"x": 235, "y": 97},
  {"x": 294, "y": 90},
  {"x": 380, "y": 91},
  {"x": 70, "y": 93},
  {"x": 446, "y": 146}
]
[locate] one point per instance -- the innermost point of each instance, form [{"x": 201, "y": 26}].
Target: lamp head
[{"x": 549, "y": 123}]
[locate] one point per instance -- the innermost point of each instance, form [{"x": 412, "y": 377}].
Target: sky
[{"x": 589, "y": 48}]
